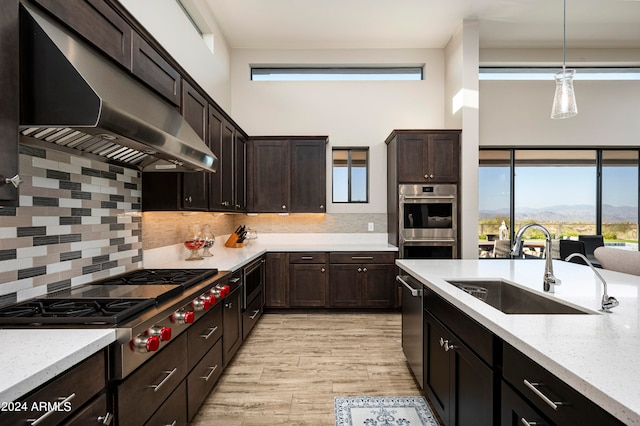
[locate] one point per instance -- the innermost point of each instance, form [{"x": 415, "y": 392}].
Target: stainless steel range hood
[{"x": 71, "y": 96}]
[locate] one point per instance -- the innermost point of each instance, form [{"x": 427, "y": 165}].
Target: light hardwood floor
[{"x": 292, "y": 366}]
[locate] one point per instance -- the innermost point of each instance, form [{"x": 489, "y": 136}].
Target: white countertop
[
  {"x": 595, "y": 354},
  {"x": 30, "y": 358},
  {"x": 231, "y": 259}
]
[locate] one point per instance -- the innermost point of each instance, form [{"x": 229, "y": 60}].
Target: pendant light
[{"x": 564, "y": 101}]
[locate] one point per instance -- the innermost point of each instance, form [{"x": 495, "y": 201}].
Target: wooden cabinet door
[
  {"x": 345, "y": 285},
  {"x": 98, "y": 23},
  {"x": 195, "y": 185},
  {"x": 215, "y": 124},
  {"x": 437, "y": 367},
  {"x": 276, "y": 280},
  {"x": 150, "y": 67},
  {"x": 444, "y": 157},
  {"x": 412, "y": 156},
  {"x": 9, "y": 101},
  {"x": 269, "y": 176},
  {"x": 307, "y": 285},
  {"x": 232, "y": 324},
  {"x": 226, "y": 167},
  {"x": 308, "y": 176},
  {"x": 472, "y": 387},
  {"x": 379, "y": 286},
  {"x": 240, "y": 173}
]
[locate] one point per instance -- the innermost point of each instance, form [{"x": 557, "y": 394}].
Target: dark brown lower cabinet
[
  {"x": 308, "y": 279},
  {"x": 540, "y": 390},
  {"x": 515, "y": 411},
  {"x": 172, "y": 411},
  {"x": 144, "y": 391},
  {"x": 62, "y": 397},
  {"x": 362, "y": 285},
  {"x": 232, "y": 323},
  {"x": 203, "y": 378},
  {"x": 276, "y": 280},
  {"x": 457, "y": 382}
]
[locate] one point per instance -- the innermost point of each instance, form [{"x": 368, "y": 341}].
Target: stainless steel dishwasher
[{"x": 412, "y": 323}]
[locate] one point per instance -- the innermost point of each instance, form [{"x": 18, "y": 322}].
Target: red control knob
[
  {"x": 153, "y": 343},
  {"x": 201, "y": 303},
  {"x": 212, "y": 299},
  {"x": 145, "y": 343},
  {"x": 164, "y": 333},
  {"x": 183, "y": 317}
]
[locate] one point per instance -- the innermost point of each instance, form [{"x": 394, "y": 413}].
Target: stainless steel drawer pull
[
  {"x": 173, "y": 423},
  {"x": 106, "y": 419},
  {"x": 414, "y": 292},
  {"x": 532, "y": 385},
  {"x": 306, "y": 257},
  {"x": 169, "y": 374},
  {"x": 361, "y": 257},
  {"x": 63, "y": 401},
  {"x": 255, "y": 314},
  {"x": 234, "y": 280},
  {"x": 211, "y": 331},
  {"x": 207, "y": 377},
  {"x": 526, "y": 423}
]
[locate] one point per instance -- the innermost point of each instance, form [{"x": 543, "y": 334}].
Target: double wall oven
[{"x": 428, "y": 221}]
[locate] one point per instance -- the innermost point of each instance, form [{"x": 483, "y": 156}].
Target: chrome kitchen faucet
[{"x": 549, "y": 280}]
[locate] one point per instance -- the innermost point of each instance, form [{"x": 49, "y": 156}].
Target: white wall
[
  {"x": 350, "y": 113},
  {"x": 168, "y": 24},
  {"x": 517, "y": 113}
]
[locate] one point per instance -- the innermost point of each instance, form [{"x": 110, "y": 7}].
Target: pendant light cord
[{"x": 564, "y": 39}]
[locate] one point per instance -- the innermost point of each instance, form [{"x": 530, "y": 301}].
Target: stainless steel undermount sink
[{"x": 512, "y": 299}]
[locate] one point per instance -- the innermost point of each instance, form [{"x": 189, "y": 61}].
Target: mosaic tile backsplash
[{"x": 79, "y": 220}]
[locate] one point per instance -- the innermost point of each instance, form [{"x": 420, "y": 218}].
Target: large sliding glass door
[{"x": 571, "y": 192}]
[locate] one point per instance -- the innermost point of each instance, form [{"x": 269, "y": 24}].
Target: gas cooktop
[
  {"x": 73, "y": 311},
  {"x": 107, "y": 302}
]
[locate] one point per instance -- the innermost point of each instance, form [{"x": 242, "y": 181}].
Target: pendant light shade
[{"x": 564, "y": 101}]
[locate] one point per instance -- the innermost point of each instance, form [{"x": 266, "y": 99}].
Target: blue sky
[{"x": 549, "y": 186}]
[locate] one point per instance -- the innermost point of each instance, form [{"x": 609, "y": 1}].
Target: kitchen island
[{"x": 595, "y": 353}]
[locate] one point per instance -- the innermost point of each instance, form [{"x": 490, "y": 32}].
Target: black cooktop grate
[
  {"x": 184, "y": 277},
  {"x": 73, "y": 311}
]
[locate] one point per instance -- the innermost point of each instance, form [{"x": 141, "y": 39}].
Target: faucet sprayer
[{"x": 608, "y": 302}]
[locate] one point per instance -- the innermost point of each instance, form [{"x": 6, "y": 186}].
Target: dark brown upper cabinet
[
  {"x": 150, "y": 67},
  {"x": 9, "y": 101},
  {"x": 426, "y": 156},
  {"x": 98, "y": 23},
  {"x": 195, "y": 185},
  {"x": 286, "y": 174}
]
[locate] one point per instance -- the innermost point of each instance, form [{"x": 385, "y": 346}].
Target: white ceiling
[{"x": 328, "y": 24}]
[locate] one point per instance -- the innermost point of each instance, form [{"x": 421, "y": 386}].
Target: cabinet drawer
[
  {"x": 574, "y": 408},
  {"x": 71, "y": 391},
  {"x": 203, "y": 334},
  {"x": 144, "y": 391},
  {"x": 97, "y": 412},
  {"x": 478, "y": 338},
  {"x": 362, "y": 257},
  {"x": 203, "y": 377},
  {"x": 311, "y": 257},
  {"x": 173, "y": 411},
  {"x": 252, "y": 314}
]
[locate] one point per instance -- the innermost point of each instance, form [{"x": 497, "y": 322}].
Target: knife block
[{"x": 232, "y": 241}]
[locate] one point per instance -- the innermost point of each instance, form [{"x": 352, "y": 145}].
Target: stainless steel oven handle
[
  {"x": 430, "y": 240},
  {"x": 63, "y": 401},
  {"x": 428, "y": 197},
  {"x": 213, "y": 330},
  {"x": 169, "y": 374},
  {"x": 414, "y": 292}
]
